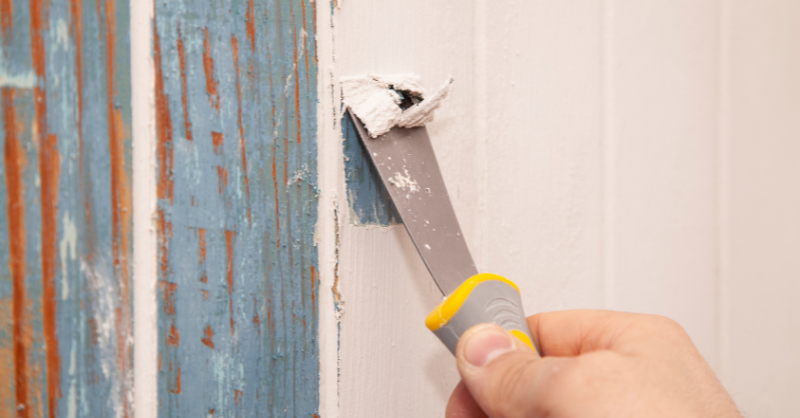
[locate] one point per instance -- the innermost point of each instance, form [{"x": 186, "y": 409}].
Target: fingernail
[{"x": 486, "y": 344}]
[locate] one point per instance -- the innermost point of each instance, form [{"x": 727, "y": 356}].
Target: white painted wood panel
[
  {"x": 388, "y": 362},
  {"x": 663, "y": 119},
  {"x": 762, "y": 315},
  {"x": 543, "y": 150},
  {"x": 632, "y": 155}
]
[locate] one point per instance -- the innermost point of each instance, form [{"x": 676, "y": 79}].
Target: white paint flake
[{"x": 376, "y": 101}]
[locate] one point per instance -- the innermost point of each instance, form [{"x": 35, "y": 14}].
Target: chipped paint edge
[
  {"x": 330, "y": 177},
  {"x": 144, "y": 206}
]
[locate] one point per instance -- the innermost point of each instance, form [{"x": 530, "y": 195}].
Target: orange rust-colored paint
[
  {"x": 201, "y": 238},
  {"x": 208, "y": 67},
  {"x": 48, "y": 172},
  {"x": 251, "y": 25},
  {"x": 14, "y": 161},
  {"x": 217, "y": 139},
  {"x": 164, "y": 188},
  {"x": 235, "y": 47},
  {"x": 173, "y": 336},
  {"x": 208, "y": 335},
  {"x": 229, "y": 236},
  {"x": 169, "y": 289},
  {"x": 37, "y": 9},
  {"x": 222, "y": 173},
  {"x": 7, "y": 17},
  {"x": 187, "y": 124},
  {"x": 237, "y": 396},
  {"x": 203, "y": 291},
  {"x": 121, "y": 207},
  {"x": 176, "y": 389},
  {"x": 164, "y": 234},
  {"x": 313, "y": 285}
]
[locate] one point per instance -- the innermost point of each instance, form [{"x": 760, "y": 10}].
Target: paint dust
[{"x": 405, "y": 182}]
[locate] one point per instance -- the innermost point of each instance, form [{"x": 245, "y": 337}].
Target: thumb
[{"x": 501, "y": 372}]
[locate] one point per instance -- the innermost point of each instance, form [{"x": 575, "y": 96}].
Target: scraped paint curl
[{"x": 383, "y": 102}]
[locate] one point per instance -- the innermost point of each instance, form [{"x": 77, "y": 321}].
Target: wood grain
[
  {"x": 235, "y": 96},
  {"x": 66, "y": 234}
]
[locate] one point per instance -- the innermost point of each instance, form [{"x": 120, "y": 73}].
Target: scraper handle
[{"x": 482, "y": 299}]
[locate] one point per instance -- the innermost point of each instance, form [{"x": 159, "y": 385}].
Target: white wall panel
[
  {"x": 543, "y": 195},
  {"x": 389, "y": 363},
  {"x": 762, "y": 364},
  {"x": 634, "y": 155},
  {"x": 663, "y": 96}
]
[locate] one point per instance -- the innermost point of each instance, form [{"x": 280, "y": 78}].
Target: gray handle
[{"x": 491, "y": 301}]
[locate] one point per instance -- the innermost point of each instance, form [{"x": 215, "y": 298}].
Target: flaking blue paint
[
  {"x": 367, "y": 197},
  {"x": 92, "y": 298},
  {"x": 237, "y": 325}
]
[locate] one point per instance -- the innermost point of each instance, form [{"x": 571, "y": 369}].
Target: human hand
[{"x": 594, "y": 364}]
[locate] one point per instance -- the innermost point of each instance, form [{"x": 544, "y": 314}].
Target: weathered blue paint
[
  {"x": 65, "y": 82},
  {"x": 236, "y": 100},
  {"x": 367, "y": 197}
]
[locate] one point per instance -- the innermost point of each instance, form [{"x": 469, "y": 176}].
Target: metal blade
[{"x": 407, "y": 165}]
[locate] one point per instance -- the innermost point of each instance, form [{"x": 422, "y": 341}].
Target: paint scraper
[{"x": 406, "y": 163}]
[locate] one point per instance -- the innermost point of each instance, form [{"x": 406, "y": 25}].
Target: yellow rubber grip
[{"x": 442, "y": 314}]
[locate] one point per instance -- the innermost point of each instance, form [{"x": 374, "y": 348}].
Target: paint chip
[{"x": 382, "y": 102}]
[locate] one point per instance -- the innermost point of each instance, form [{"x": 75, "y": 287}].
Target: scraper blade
[{"x": 407, "y": 165}]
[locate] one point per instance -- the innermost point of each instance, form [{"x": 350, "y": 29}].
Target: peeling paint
[
  {"x": 66, "y": 195},
  {"x": 237, "y": 208},
  {"x": 368, "y": 199}
]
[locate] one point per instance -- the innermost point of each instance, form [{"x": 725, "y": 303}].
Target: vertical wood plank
[
  {"x": 762, "y": 125},
  {"x": 66, "y": 240},
  {"x": 664, "y": 96},
  {"x": 386, "y": 359},
  {"x": 544, "y": 151},
  {"x": 236, "y": 97}
]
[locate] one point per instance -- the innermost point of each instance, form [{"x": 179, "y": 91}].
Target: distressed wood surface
[
  {"x": 65, "y": 237},
  {"x": 236, "y": 111}
]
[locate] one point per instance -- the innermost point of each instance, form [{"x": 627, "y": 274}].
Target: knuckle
[
  {"x": 511, "y": 388},
  {"x": 668, "y": 325}
]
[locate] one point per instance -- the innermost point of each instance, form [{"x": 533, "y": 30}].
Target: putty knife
[{"x": 407, "y": 166}]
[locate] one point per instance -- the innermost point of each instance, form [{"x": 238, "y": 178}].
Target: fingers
[
  {"x": 501, "y": 372},
  {"x": 570, "y": 333},
  {"x": 463, "y": 405}
]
